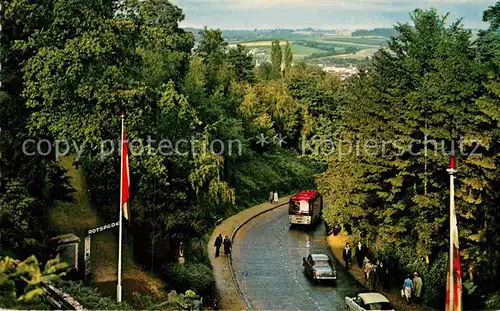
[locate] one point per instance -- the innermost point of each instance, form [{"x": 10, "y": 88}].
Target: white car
[{"x": 368, "y": 301}]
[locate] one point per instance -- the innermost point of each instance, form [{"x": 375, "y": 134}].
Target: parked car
[
  {"x": 319, "y": 267},
  {"x": 368, "y": 301}
]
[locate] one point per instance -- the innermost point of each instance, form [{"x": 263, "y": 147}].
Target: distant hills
[
  {"x": 233, "y": 35},
  {"x": 378, "y": 32}
]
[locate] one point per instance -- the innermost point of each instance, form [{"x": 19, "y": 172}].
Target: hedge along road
[{"x": 267, "y": 259}]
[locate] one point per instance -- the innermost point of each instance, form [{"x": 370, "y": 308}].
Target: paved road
[{"x": 267, "y": 258}]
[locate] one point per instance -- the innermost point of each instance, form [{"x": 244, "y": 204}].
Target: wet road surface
[{"x": 267, "y": 258}]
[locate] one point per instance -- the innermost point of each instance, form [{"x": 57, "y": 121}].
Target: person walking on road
[
  {"x": 227, "y": 246},
  {"x": 347, "y": 255},
  {"x": 417, "y": 283},
  {"x": 276, "y": 197},
  {"x": 408, "y": 288},
  {"x": 218, "y": 244},
  {"x": 271, "y": 197},
  {"x": 360, "y": 253}
]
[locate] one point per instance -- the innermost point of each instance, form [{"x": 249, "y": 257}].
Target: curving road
[{"x": 267, "y": 258}]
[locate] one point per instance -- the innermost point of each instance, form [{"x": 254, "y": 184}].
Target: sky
[{"x": 323, "y": 14}]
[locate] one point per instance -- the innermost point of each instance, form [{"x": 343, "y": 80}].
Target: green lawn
[{"x": 367, "y": 45}]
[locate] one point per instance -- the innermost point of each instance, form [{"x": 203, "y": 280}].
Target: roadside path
[
  {"x": 228, "y": 294},
  {"x": 337, "y": 244}
]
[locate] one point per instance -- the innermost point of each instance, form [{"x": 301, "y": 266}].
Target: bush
[
  {"x": 191, "y": 276},
  {"x": 90, "y": 297}
]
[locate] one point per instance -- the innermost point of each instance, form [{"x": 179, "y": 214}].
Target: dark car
[{"x": 319, "y": 267}]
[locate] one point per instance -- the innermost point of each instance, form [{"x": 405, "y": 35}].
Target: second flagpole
[
  {"x": 119, "y": 285},
  {"x": 451, "y": 171}
]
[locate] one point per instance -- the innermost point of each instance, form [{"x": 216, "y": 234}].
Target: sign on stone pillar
[{"x": 67, "y": 248}]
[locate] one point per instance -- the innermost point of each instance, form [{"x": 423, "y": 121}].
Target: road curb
[
  {"x": 342, "y": 264},
  {"x": 247, "y": 302}
]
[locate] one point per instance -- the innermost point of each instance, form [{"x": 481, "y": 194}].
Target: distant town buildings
[
  {"x": 342, "y": 72},
  {"x": 259, "y": 56}
]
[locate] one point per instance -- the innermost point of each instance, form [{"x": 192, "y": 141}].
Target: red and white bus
[{"x": 305, "y": 207}]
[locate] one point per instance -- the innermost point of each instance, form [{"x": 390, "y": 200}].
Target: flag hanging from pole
[
  {"x": 455, "y": 277},
  {"x": 125, "y": 177}
]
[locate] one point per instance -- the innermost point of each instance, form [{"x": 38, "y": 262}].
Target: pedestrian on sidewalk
[
  {"x": 366, "y": 261},
  {"x": 336, "y": 229},
  {"x": 381, "y": 273},
  {"x": 276, "y": 197},
  {"x": 360, "y": 253},
  {"x": 227, "y": 246},
  {"x": 347, "y": 255},
  {"x": 368, "y": 269},
  {"x": 408, "y": 288},
  {"x": 387, "y": 277},
  {"x": 373, "y": 275},
  {"x": 271, "y": 197},
  {"x": 218, "y": 244},
  {"x": 417, "y": 283}
]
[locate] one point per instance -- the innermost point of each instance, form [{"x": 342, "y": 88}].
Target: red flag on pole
[
  {"x": 125, "y": 182},
  {"x": 454, "y": 277}
]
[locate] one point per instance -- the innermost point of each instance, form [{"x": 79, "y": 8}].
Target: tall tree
[
  {"x": 240, "y": 64},
  {"x": 288, "y": 56},
  {"x": 415, "y": 105},
  {"x": 27, "y": 178},
  {"x": 276, "y": 57},
  {"x": 485, "y": 248}
]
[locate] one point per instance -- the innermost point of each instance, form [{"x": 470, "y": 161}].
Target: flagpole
[
  {"x": 451, "y": 292},
  {"x": 119, "y": 285}
]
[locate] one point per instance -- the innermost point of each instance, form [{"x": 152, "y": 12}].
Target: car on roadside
[
  {"x": 368, "y": 301},
  {"x": 319, "y": 267}
]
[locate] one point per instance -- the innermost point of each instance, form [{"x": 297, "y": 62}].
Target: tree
[
  {"x": 484, "y": 252},
  {"x": 288, "y": 56},
  {"x": 164, "y": 47},
  {"x": 212, "y": 44},
  {"x": 418, "y": 101},
  {"x": 240, "y": 64},
  {"x": 276, "y": 57},
  {"x": 265, "y": 71},
  {"x": 27, "y": 178}
]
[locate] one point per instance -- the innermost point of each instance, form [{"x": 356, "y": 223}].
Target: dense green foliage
[
  {"x": 71, "y": 67},
  {"x": 197, "y": 277},
  {"x": 276, "y": 57},
  {"x": 433, "y": 92},
  {"x": 287, "y": 56},
  {"x": 90, "y": 297},
  {"x": 20, "y": 281}
]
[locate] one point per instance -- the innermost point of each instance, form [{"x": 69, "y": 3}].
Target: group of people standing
[
  {"x": 377, "y": 273},
  {"x": 219, "y": 242},
  {"x": 273, "y": 197}
]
